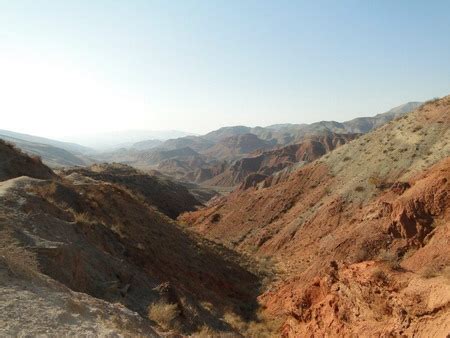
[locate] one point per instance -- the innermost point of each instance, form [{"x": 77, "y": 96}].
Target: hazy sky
[{"x": 70, "y": 67}]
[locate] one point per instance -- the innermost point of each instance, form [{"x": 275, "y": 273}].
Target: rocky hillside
[
  {"x": 156, "y": 156},
  {"x": 269, "y": 162},
  {"x": 357, "y": 236},
  {"x": 169, "y": 197},
  {"x": 70, "y": 147},
  {"x": 52, "y": 156},
  {"x": 93, "y": 250},
  {"x": 235, "y": 147},
  {"x": 145, "y": 145},
  {"x": 14, "y": 163}
]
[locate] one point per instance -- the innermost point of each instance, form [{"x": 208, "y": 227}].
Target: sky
[{"x": 91, "y": 66}]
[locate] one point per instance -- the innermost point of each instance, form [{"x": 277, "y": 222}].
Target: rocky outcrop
[{"x": 414, "y": 212}]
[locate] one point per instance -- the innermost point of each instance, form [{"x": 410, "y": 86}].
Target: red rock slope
[{"x": 358, "y": 237}]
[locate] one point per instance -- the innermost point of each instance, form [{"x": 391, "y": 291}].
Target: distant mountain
[
  {"x": 272, "y": 161},
  {"x": 51, "y": 156},
  {"x": 125, "y": 138},
  {"x": 197, "y": 143},
  {"x": 72, "y": 147},
  {"x": 292, "y": 133},
  {"x": 145, "y": 145},
  {"x": 284, "y": 134},
  {"x": 235, "y": 147},
  {"x": 200, "y": 156},
  {"x": 153, "y": 157},
  {"x": 366, "y": 124},
  {"x": 227, "y": 132}
]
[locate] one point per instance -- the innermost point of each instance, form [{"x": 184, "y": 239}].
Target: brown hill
[
  {"x": 14, "y": 163},
  {"x": 183, "y": 169},
  {"x": 197, "y": 143},
  {"x": 52, "y": 156},
  {"x": 269, "y": 162},
  {"x": 237, "y": 146},
  {"x": 169, "y": 197},
  {"x": 155, "y": 156},
  {"x": 354, "y": 234}
]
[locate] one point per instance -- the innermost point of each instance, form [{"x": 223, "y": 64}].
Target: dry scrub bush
[
  {"x": 380, "y": 276},
  {"x": 262, "y": 327},
  {"x": 19, "y": 261},
  {"x": 430, "y": 271},
  {"x": 81, "y": 217},
  {"x": 361, "y": 255},
  {"x": 359, "y": 189},
  {"x": 206, "y": 332},
  {"x": 163, "y": 313},
  {"x": 390, "y": 259}
]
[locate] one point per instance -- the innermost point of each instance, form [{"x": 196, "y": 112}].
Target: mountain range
[{"x": 333, "y": 234}]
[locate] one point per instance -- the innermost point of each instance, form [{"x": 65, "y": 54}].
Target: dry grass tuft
[
  {"x": 82, "y": 217},
  {"x": 380, "y": 276},
  {"x": 206, "y": 332},
  {"x": 391, "y": 260},
  {"x": 430, "y": 271},
  {"x": 163, "y": 313},
  {"x": 361, "y": 255},
  {"x": 262, "y": 327},
  {"x": 19, "y": 261}
]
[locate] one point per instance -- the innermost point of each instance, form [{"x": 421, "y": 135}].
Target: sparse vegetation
[
  {"x": 163, "y": 313},
  {"x": 20, "y": 261},
  {"x": 380, "y": 276},
  {"x": 378, "y": 182},
  {"x": 430, "y": 271},
  {"x": 82, "y": 217},
  {"x": 261, "y": 327},
  {"x": 206, "y": 332},
  {"x": 433, "y": 100},
  {"x": 362, "y": 255},
  {"x": 391, "y": 260}
]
